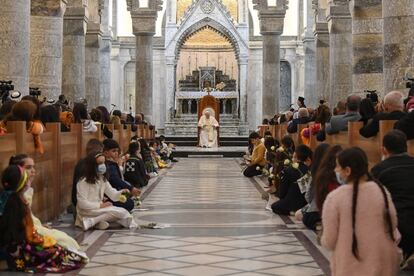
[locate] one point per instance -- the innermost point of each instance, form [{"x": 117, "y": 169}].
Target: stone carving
[
  {"x": 207, "y": 7},
  {"x": 202, "y": 24}
]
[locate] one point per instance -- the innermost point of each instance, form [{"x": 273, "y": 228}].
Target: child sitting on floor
[{"x": 92, "y": 209}]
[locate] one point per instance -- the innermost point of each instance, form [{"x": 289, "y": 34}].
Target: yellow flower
[
  {"x": 122, "y": 199},
  {"x": 19, "y": 264},
  {"x": 272, "y": 148},
  {"x": 287, "y": 162},
  {"x": 271, "y": 176},
  {"x": 295, "y": 165},
  {"x": 257, "y": 168},
  {"x": 280, "y": 149}
]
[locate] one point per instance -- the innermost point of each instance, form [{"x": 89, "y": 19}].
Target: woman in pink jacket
[{"x": 360, "y": 221}]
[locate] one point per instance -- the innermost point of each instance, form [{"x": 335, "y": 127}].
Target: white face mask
[
  {"x": 101, "y": 169},
  {"x": 340, "y": 180}
]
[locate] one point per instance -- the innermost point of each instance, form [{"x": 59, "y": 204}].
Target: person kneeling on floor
[{"x": 291, "y": 198}]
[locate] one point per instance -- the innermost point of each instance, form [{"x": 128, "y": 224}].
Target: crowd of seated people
[
  {"x": 38, "y": 113},
  {"x": 106, "y": 188},
  {"x": 364, "y": 215}
]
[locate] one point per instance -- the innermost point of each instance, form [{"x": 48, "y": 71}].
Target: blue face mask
[
  {"x": 340, "y": 180},
  {"x": 101, "y": 169}
]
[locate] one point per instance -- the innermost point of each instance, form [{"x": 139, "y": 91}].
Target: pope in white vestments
[{"x": 208, "y": 132}]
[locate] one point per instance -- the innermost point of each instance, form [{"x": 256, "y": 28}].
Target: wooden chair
[{"x": 213, "y": 105}]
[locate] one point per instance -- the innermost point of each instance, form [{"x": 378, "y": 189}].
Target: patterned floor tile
[
  {"x": 110, "y": 270},
  {"x": 202, "y": 248},
  {"x": 293, "y": 271},
  {"x": 248, "y": 265},
  {"x": 160, "y": 253},
  {"x": 124, "y": 248},
  {"x": 218, "y": 226},
  {"x": 117, "y": 259},
  {"x": 243, "y": 253},
  {"x": 287, "y": 259},
  {"x": 202, "y": 259},
  {"x": 165, "y": 243},
  {"x": 202, "y": 271},
  {"x": 156, "y": 265}
]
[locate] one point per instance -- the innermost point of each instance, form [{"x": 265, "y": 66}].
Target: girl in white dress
[{"x": 92, "y": 209}]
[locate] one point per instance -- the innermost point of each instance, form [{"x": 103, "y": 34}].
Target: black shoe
[{"x": 174, "y": 160}]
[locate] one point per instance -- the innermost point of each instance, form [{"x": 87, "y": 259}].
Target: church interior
[{"x": 207, "y": 137}]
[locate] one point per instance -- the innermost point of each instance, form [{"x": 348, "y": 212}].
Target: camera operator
[
  {"x": 393, "y": 110},
  {"x": 63, "y": 103}
]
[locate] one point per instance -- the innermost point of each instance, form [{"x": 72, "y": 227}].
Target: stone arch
[{"x": 202, "y": 24}]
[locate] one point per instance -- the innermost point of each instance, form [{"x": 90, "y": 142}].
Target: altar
[{"x": 207, "y": 79}]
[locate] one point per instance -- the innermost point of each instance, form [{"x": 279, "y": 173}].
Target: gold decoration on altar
[
  {"x": 207, "y": 37},
  {"x": 183, "y": 5}
]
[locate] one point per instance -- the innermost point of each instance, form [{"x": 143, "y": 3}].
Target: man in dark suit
[
  {"x": 396, "y": 173},
  {"x": 303, "y": 118},
  {"x": 393, "y": 110},
  {"x": 340, "y": 122}
]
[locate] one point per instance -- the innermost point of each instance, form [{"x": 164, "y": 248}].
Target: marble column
[
  {"x": 170, "y": 71},
  {"x": 243, "y": 64},
  {"x": 93, "y": 43},
  {"x": 105, "y": 57},
  {"x": 367, "y": 38},
  {"x": 15, "y": 43},
  {"x": 114, "y": 27},
  {"x": 321, "y": 34},
  {"x": 46, "y": 36},
  {"x": 74, "y": 30},
  {"x": 340, "y": 50},
  {"x": 271, "y": 27},
  {"x": 143, "y": 27},
  {"x": 309, "y": 47},
  {"x": 398, "y": 42}
]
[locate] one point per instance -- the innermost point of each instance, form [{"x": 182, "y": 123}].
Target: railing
[
  {"x": 372, "y": 146},
  {"x": 54, "y": 168}
]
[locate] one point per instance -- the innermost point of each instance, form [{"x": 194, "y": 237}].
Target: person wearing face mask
[
  {"x": 115, "y": 176},
  {"x": 92, "y": 209},
  {"x": 396, "y": 173},
  {"x": 359, "y": 221},
  {"x": 24, "y": 161},
  {"x": 26, "y": 249}
]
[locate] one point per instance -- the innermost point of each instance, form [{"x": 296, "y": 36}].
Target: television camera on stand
[{"x": 7, "y": 91}]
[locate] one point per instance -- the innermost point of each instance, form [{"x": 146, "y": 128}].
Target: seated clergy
[{"x": 208, "y": 132}]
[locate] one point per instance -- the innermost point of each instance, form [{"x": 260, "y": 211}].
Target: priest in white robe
[{"x": 208, "y": 133}]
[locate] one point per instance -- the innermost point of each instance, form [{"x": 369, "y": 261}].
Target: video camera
[
  {"x": 5, "y": 88},
  {"x": 34, "y": 92},
  {"x": 372, "y": 95},
  {"x": 409, "y": 81}
]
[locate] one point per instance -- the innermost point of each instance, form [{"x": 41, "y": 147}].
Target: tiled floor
[{"x": 217, "y": 225}]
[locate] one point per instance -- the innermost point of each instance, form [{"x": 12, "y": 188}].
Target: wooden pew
[{"x": 54, "y": 168}]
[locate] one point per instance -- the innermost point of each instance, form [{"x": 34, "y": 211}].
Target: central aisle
[{"x": 217, "y": 225}]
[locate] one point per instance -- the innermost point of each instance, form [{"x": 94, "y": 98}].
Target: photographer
[{"x": 393, "y": 110}]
